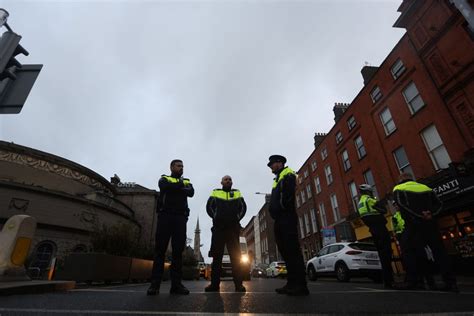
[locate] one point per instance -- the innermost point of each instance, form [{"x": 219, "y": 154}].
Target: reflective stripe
[
  {"x": 412, "y": 186},
  {"x": 224, "y": 195},
  {"x": 366, "y": 206},
  {"x": 286, "y": 171},
  {"x": 398, "y": 223},
  {"x": 176, "y": 180}
]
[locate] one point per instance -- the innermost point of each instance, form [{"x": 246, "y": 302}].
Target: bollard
[{"x": 15, "y": 241}]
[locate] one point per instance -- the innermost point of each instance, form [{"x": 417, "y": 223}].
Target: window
[
  {"x": 314, "y": 224},
  {"x": 322, "y": 214},
  {"x": 306, "y": 173},
  {"x": 327, "y": 169},
  {"x": 298, "y": 203},
  {"x": 324, "y": 153},
  {"x": 351, "y": 122},
  {"x": 43, "y": 254},
  {"x": 335, "y": 208},
  {"x": 397, "y": 69},
  {"x": 308, "y": 191},
  {"x": 360, "y": 147},
  {"x": 413, "y": 98},
  {"x": 307, "y": 224},
  {"x": 303, "y": 197},
  {"x": 375, "y": 94},
  {"x": 369, "y": 179},
  {"x": 338, "y": 137},
  {"x": 300, "y": 179},
  {"x": 438, "y": 153},
  {"x": 345, "y": 160},
  {"x": 301, "y": 226},
  {"x": 317, "y": 184},
  {"x": 354, "y": 195},
  {"x": 387, "y": 121},
  {"x": 402, "y": 161},
  {"x": 313, "y": 166}
]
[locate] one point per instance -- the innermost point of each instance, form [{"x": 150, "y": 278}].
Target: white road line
[{"x": 118, "y": 312}]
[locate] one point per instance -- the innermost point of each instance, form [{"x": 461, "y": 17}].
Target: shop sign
[
  {"x": 454, "y": 187},
  {"x": 329, "y": 236}
]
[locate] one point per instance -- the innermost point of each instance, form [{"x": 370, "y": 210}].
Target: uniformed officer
[
  {"x": 282, "y": 210},
  {"x": 424, "y": 266},
  {"x": 370, "y": 212},
  {"x": 418, "y": 204},
  {"x": 173, "y": 212},
  {"x": 226, "y": 207}
]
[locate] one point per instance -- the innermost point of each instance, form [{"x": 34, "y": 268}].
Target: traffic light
[{"x": 16, "y": 80}]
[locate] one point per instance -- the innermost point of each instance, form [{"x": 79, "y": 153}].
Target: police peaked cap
[{"x": 276, "y": 158}]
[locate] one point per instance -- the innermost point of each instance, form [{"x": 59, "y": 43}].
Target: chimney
[
  {"x": 318, "y": 139},
  {"x": 339, "y": 109},
  {"x": 368, "y": 72}
]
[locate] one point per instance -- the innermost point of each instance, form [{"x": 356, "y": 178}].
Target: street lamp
[{"x": 3, "y": 19}]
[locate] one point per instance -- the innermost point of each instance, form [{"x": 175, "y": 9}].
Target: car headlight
[{"x": 244, "y": 259}]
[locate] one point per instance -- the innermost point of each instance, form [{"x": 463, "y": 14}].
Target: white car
[
  {"x": 345, "y": 260},
  {"x": 276, "y": 269}
]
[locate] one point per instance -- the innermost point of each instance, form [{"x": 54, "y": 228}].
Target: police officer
[
  {"x": 370, "y": 212},
  {"x": 418, "y": 204},
  {"x": 282, "y": 210},
  {"x": 173, "y": 212},
  {"x": 226, "y": 207},
  {"x": 424, "y": 269}
]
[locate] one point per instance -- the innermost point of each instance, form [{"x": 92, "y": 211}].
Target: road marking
[{"x": 117, "y": 312}]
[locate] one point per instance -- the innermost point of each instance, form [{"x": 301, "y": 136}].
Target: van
[{"x": 244, "y": 261}]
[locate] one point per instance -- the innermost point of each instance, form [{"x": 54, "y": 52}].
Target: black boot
[
  {"x": 153, "y": 289},
  {"x": 211, "y": 288},
  {"x": 240, "y": 288},
  {"x": 301, "y": 290},
  {"x": 179, "y": 289},
  {"x": 282, "y": 290}
]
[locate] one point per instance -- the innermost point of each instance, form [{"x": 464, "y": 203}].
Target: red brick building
[{"x": 414, "y": 114}]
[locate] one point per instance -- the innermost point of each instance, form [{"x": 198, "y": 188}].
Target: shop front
[{"x": 456, "y": 219}]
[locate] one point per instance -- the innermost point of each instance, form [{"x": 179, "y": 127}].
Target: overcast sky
[{"x": 128, "y": 86}]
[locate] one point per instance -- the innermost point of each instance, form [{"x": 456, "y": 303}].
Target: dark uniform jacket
[
  {"x": 282, "y": 200},
  {"x": 174, "y": 193},
  {"x": 413, "y": 198},
  {"x": 226, "y": 208}
]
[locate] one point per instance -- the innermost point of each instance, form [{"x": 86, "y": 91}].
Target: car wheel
[
  {"x": 342, "y": 272},
  {"x": 273, "y": 274},
  {"x": 312, "y": 273}
]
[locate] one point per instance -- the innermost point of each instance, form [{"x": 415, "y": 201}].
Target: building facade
[
  {"x": 69, "y": 202},
  {"x": 415, "y": 114}
]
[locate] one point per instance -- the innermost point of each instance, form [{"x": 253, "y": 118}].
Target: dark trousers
[
  {"x": 286, "y": 237},
  {"x": 424, "y": 267},
  {"x": 169, "y": 226},
  {"x": 226, "y": 237},
  {"x": 383, "y": 243},
  {"x": 419, "y": 234}
]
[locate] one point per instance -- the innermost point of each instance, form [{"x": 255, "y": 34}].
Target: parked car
[
  {"x": 258, "y": 273},
  {"x": 345, "y": 260},
  {"x": 276, "y": 269}
]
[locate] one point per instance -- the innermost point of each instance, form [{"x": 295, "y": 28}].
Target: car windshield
[
  {"x": 363, "y": 246},
  {"x": 243, "y": 247},
  {"x": 280, "y": 263}
]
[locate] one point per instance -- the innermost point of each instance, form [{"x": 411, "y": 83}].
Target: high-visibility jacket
[
  {"x": 282, "y": 200},
  {"x": 226, "y": 208},
  {"x": 174, "y": 193},
  {"x": 366, "y": 206},
  {"x": 398, "y": 223},
  {"x": 413, "y": 198}
]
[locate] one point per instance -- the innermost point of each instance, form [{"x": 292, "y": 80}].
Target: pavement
[{"x": 36, "y": 286}]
